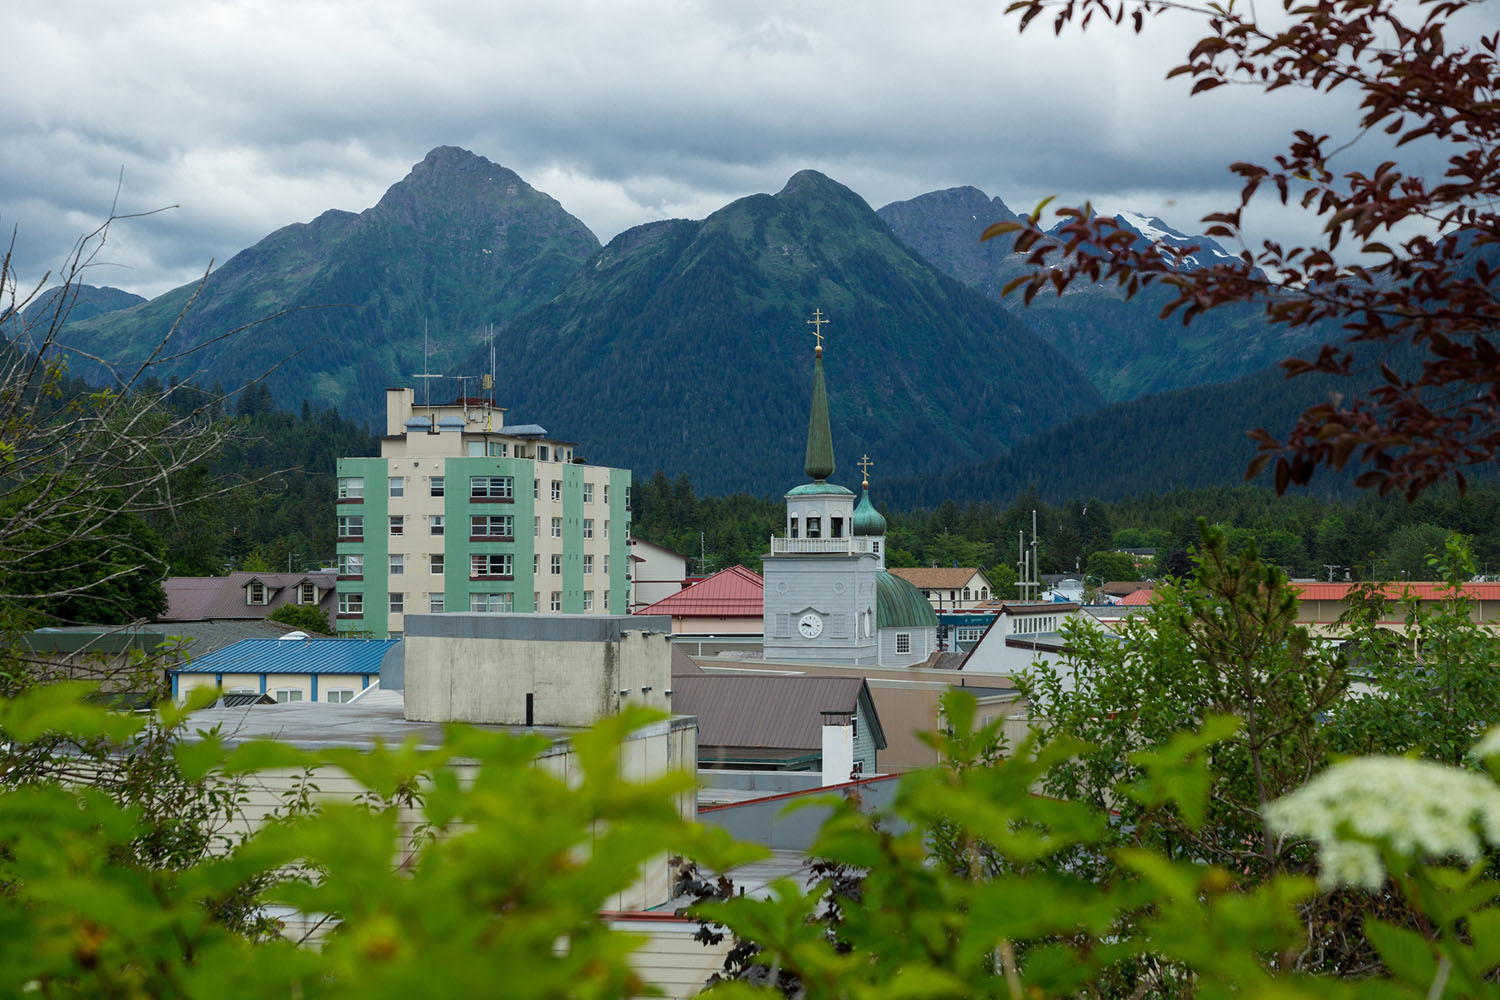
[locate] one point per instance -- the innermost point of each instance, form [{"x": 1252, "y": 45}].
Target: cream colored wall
[
  {"x": 274, "y": 683},
  {"x": 646, "y": 755},
  {"x": 669, "y": 958},
  {"x": 698, "y": 625}
]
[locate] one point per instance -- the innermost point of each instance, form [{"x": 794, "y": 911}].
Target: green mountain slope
[
  {"x": 1121, "y": 345},
  {"x": 459, "y": 243},
  {"x": 683, "y": 345}
]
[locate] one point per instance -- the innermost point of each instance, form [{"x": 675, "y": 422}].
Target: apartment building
[{"x": 462, "y": 512}]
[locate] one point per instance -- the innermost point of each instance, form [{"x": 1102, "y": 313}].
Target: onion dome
[{"x": 867, "y": 520}]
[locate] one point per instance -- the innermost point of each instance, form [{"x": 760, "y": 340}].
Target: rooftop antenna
[{"x": 427, "y": 374}]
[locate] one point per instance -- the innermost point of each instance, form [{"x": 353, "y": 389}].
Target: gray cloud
[{"x": 252, "y": 115}]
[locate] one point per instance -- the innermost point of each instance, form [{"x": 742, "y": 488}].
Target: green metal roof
[
  {"x": 900, "y": 605},
  {"x": 819, "y": 489},
  {"x": 868, "y": 520},
  {"x": 819, "y": 462}
]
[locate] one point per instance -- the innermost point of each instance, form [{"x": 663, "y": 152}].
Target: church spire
[{"x": 819, "y": 462}]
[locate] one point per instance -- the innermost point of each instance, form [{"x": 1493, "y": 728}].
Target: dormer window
[
  {"x": 256, "y": 593},
  {"x": 307, "y": 593}
]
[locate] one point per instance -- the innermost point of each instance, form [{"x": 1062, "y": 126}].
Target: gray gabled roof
[{"x": 770, "y": 711}]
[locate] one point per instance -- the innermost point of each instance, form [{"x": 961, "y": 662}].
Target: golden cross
[
  {"x": 817, "y": 324},
  {"x": 864, "y": 465}
]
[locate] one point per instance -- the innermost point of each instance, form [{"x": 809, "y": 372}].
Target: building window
[
  {"x": 556, "y": 567},
  {"x": 966, "y": 593},
  {"x": 398, "y": 524},
  {"x": 968, "y": 634},
  {"x": 606, "y": 493},
  {"x": 606, "y": 564},
  {"x": 536, "y": 565},
  {"x": 875, "y": 546},
  {"x": 814, "y": 527},
  {"x": 606, "y": 529},
  {"x": 544, "y": 454},
  {"x": 351, "y": 604},
  {"x": 606, "y": 600},
  {"x": 536, "y": 527},
  {"x": 339, "y": 696},
  {"x": 491, "y": 488},
  {"x": 351, "y": 487},
  {"x": 284, "y": 695},
  {"x": 351, "y": 565},
  {"x": 835, "y": 527},
  {"x": 536, "y": 489},
  {"x": 435, "y": 603},
  {"x": 492, "y": 564},
  {"x": 398, "y": 564},
  {"x": 536, "y": 601},
  {"x": 792, "y": 531},
  {"x": 903, "y": 642},
  {"x": 435, "y": 563},
  {"x": 398, "y": 603},
  {"x": 398, "y": 486},
  {"x": 588, "y": 492},
  {"x": 490, "y": 603},
  {"x": 588, "y": 527},
  {"x": 492, "y": 526},
  {"x": 557, "y": 527},
  {"x": 588, "y": 600},
  {"x": 255, "y": 593},
  {"x": 307, "y": 593},
  {"x": 351, "y": 526},
  {"x": 499, "y": 449},
  {"x": 436, "y": 486},
  {"x": 556, "y": 600},
  {"x": 588, "y": 564},
  {"x": 436, "y": 523},
  {"x": 557, "y": 489},
  {"x": 627, "y": 497}
]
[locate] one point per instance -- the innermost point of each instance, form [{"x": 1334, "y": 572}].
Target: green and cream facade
[{"x": 463, "y": 513}]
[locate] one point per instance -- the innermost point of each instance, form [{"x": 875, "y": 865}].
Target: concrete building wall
[{"x": 482, "y": 668}]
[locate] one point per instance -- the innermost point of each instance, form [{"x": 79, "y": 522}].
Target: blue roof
[{"x": 314, "y": 655}]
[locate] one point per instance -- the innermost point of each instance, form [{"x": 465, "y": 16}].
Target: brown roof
[
  {"x": 768, "y": 711},
  {"x": 1119, "y": 588},
  {"x": 937, "y": 577},
  {"x": 684, "y": 665},
  {"x": 204, "y": 598}
]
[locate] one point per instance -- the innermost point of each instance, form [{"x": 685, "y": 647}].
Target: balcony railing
[{"x": 846, "y": 546}]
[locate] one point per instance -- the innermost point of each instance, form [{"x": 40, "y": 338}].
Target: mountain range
[{"x": 682, "y": 344}]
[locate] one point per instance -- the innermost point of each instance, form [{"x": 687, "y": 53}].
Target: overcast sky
[{"x": 254, "y": 114}]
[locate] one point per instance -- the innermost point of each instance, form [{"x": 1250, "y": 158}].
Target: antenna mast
[{"x": 427, "y": 376}]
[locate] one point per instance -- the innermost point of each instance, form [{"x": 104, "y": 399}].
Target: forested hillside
[
  {"x": 685, "y": 345},
  {"x": 1124, "y": 346}
]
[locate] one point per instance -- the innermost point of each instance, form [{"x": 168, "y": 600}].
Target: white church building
[{"x": 828, "y": 596}]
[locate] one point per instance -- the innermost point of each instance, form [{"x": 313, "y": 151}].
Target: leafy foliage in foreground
[{"x": 457, "y": 865}]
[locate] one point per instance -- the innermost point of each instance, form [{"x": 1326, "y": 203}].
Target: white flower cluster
[
  {"x": 1487, "y": 747},
  {"x": 1417, "y": 808}
]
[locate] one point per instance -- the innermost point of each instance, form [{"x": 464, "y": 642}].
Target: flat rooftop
[{"x": 376, "y": 717}]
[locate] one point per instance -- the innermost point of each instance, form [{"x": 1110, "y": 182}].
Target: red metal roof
[
  {"x": 735, "y": 592},
  {"x": 1139, "y": 598},
  {"x": 1423, "y": 590}
]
